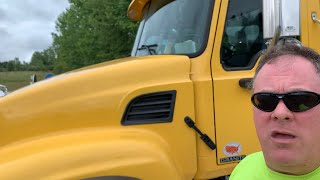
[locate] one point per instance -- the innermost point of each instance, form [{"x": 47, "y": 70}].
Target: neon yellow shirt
[{"x": 253, "y": 167}]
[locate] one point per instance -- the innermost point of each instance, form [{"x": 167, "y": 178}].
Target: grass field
[{"x": 18, "y": 79}]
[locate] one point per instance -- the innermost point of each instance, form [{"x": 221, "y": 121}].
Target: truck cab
[{"x": 178, "y": 108}]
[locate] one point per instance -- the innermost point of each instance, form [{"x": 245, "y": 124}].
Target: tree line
[{"x": 88, "y": 32}]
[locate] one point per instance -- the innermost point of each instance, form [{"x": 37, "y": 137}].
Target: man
[{"x": 286, "y": 99}]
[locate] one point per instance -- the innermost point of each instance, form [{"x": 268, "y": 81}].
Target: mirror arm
[{"x": 246, "y": 83}]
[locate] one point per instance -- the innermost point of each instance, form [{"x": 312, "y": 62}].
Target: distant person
[
  {"x": 33, "y": 78},
  {"x": 286, "y": 97}
]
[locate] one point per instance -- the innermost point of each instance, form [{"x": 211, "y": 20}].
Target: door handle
[
  {"x": 314, "y": 17},
  {"x": 246, "y": 83}
]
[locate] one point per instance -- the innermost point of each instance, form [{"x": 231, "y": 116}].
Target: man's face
[{"x": 289, "y": 140}]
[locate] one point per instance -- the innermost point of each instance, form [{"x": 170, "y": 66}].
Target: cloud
[{"x": 26, "y": 26}]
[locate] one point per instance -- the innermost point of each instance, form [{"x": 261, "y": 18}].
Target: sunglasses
[{"x": 298, "y": 101}]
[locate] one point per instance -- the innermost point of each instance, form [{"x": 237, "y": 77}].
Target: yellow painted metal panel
[
  {"x": 91, "y": 153},
  {"x": 233, "y": 114},
  {"x": 201, "y": 75},
  {"x": 304, "y": 19},
  {"x": 36, "y": 122},
  {"x": 135, "y": 10},
  {"x": 313, "y": 27},
  {"x": 136, "y": 7}
]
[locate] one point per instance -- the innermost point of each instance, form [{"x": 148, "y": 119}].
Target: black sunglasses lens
[
  {"x": 265, "y": 101},
  {"x": 301, "y": 101}
]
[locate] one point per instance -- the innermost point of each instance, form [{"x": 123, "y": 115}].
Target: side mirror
[
  {"x": 3, "y": 90},
  {"x": 283, "y": 13}
]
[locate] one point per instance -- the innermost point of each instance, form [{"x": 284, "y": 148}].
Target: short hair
[{"x": 272, "y": 53}]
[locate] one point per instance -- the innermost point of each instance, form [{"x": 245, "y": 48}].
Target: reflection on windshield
[{"x": 179, "y": 27}]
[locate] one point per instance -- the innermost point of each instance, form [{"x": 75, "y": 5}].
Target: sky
[{"x": 26, "y": 26}]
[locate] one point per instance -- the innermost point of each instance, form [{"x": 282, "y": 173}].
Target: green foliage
[
  {"x": 37, "y": 60},
  {"x": 89, "y": 32},
  {"x": 18, "y": 79},
  {"x": 11, "y": 65},
  {"x": 40, "y": 61},
  {"x": 92, "y": 31},
  {"x": 43, "y": 60}
]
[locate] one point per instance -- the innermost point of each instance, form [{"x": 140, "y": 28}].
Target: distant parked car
[{"x": 49, "y": 75}]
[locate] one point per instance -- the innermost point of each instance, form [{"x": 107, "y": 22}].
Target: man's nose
[{"x": 281, "y": 112}]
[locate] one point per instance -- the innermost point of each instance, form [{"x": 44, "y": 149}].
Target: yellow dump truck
[{"x": 177, "y": 109}]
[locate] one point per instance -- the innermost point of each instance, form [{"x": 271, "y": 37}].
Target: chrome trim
[{"x": 283, "y": 13}]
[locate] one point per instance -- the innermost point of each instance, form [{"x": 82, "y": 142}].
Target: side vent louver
[{"x": 150, "y": 108}]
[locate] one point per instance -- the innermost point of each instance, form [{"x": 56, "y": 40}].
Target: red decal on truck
[{"x": 232, "y": 149}]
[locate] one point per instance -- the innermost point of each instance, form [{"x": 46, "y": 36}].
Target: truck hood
[{"x": 91, "y": 97}]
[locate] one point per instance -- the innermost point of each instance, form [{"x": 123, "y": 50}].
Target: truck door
[
  {"x": 313, "y": 25},
  {"x": 239, "y": 40}
]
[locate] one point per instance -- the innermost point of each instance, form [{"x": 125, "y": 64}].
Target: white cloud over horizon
[{"x": 26, "y": 26}]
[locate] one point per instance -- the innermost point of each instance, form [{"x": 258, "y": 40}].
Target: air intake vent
[{"x": 150, "y": 108}]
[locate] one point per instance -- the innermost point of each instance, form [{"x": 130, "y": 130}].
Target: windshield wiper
[{"x": 149, "y": 48}]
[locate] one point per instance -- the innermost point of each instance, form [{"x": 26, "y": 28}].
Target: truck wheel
[
  {"x": 222, "y": 178},
  {"x": 111, "y": 178}
]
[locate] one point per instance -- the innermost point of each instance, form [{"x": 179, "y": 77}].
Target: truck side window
[{"x": 243, "y": 37}]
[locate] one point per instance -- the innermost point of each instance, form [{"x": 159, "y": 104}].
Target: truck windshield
[{"x": 178, "y": 27}]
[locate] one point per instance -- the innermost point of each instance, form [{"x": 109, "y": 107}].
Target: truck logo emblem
[
  {"x": 232, "y": 149},
  {"x": 232, "y": 159}
]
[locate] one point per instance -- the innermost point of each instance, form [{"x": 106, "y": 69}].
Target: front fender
[
  {"x": 91, "y": 153},
  {"x": 37, "y": 123}
]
